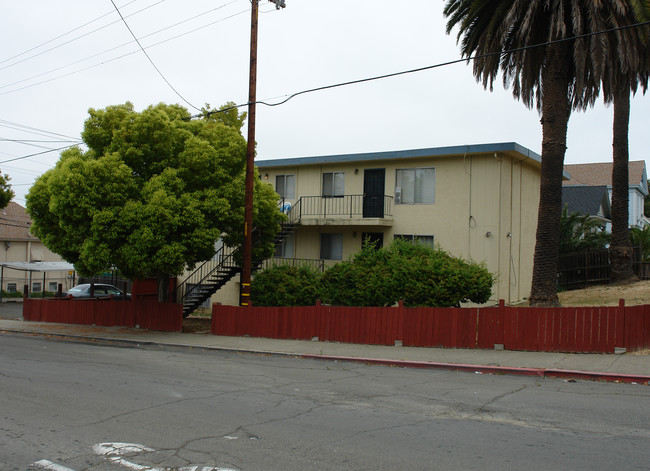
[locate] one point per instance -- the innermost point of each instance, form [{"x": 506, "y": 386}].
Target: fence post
[{"x": 624, "y": 340}]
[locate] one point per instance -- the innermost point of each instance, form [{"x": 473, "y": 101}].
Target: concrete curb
[
  {"x": 503, "y": 370},
  {"x": 468, "y": 368}
]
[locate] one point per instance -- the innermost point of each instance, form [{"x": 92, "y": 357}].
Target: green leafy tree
[
  {"x": 285, "y": 285},
  {"x": 555, "y": 76},
  {"x": 6, "y": 193},
  {"x": 226, "y": 114},
  {"x": 640, "y": 237},
  {"x": 150, "y": 196},
  {"x": 414, "y": 273},
  {"x": 580, "y": 232}
]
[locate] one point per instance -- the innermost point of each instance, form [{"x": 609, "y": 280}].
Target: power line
[
  {"x": 27, "y": 141},
  {"x": 73, "y": 39},
  {"x": 421, "y": 69},
  {"x": 18, "y": 82},
  {"x": 114, "y": 58},
  {"x": 150, "y": 60},
  {"x": 37, "y": 153},
  {"x": 30, "y": 129},
  {"x": 63, "y": 35}
]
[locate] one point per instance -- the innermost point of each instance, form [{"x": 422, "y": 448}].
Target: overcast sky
[{"x": 60, "y": 58}]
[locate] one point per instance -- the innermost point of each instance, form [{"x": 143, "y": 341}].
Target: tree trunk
[
  {"x": 163, "y": 288},
  {"x": 555, "y": 119},
  {"x": 620, "y": 251}
]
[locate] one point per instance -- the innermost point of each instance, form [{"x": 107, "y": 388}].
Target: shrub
[
  {"x": 285, "y": 285},
  {"x": 419, "y": 275}
]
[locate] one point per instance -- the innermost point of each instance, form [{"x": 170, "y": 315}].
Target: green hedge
[
  {"x": 414, "y": 273},
  {"x": 285, "y": 285}
]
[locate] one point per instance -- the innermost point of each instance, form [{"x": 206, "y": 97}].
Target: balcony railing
[{"x": 347, "y": 206}]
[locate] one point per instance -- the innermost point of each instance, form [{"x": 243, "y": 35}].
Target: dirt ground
[{"x": 606, "y": 295}]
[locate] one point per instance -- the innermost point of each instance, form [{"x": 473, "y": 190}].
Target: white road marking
[
  {"x": 117, "y": 448},
  {"x": 112, "y": 452},
  {"x": 45, "y": 464}
]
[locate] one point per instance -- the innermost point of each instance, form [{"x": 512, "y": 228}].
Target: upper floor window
[
  {"x": 333, "y": 184},
  {"x": 415, "y": 186},
  {"x": 285, "y": 186}
]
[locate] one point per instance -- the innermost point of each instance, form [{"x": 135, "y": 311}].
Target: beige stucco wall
[
  {"x": 485, "y": 210},
  {"x": 30, "y": 251}
]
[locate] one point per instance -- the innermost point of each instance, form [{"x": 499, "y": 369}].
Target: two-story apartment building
[{"x": 478, "y": 202}]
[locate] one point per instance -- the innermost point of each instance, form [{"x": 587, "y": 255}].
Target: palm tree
[
  {"x": 560, "y": 74},
  {"x": 631, "y": 70},
  {"x": 579, "y": 232}
]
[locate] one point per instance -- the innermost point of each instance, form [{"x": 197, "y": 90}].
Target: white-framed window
[
  {"x": 285, "y": 249},
  {"x": 333, "y": 184},
  {"x": 416, "y": 239},
  {"x": 415, "y": 186},
  {"x": 331, "y": 246},
  {"x": 36, "y": 287},
  {"x": 11, "y": 287},
  {"x": 285, "y": 186},
  {"x": 52, "y": 286}
]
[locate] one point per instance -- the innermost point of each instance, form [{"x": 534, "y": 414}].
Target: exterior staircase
[{"x": 213, "y": 274}]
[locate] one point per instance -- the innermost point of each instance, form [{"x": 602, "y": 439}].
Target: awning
[{"x": 39, "y": 266}]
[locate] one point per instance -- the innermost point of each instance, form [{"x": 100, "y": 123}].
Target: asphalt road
[{"x": 78, "y": 406}]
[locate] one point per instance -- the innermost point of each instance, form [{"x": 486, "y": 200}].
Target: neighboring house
[
  {"x": 18, "y": 246},
  {"x": 478, "y": 202},
  {"x": 600, "y": 174},
  {"x": 592, "y": 201}
]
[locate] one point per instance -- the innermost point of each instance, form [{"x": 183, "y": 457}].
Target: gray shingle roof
[{"x": 590, "y": 200}]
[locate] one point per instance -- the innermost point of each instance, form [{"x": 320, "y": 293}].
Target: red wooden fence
[
  {"x": 581, "y": 329},
  {"x": 146, "y": 314}
]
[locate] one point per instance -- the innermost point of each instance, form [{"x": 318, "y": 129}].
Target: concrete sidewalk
[{"x": 628, "y": 367}]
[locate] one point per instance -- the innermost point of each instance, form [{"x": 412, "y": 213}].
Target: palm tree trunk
[
  {"x": 555, "y": 119},
  {"x": 620, "y": 251}
]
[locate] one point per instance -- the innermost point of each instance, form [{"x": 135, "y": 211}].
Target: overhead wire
[
  {"x": 64, "y": 34},
  {"x": 117, "y": 47},
  {"x": 106, "y": 51},
  {"x": 76, "y": 38},
  {"x": 31, "y": 129},
  {"x": 421, "y": 69},
  {"x": 151, "y": 60}
]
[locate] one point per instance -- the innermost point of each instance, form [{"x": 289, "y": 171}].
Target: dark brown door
[{"x": 374, "y": 181}]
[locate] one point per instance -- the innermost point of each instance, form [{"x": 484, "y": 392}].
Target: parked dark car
[{"x": 101, "y": 291}]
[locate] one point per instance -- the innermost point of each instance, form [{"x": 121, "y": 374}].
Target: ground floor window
[
  {"x": 36, "y": 287},
  {"x": 417, "y": 239},
  {"x": 376, "y": 239},
  {"x": 285, "y": 249},
  {"x": 52, "y": 286},
  {"x": 331, "y": 246},
  {"x": 11, "y": 287}
]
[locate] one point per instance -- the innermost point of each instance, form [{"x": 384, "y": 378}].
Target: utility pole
[{"x": 250, "y": 159}]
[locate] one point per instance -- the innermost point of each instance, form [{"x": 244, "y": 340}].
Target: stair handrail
[{"x": 223, "y": 255}]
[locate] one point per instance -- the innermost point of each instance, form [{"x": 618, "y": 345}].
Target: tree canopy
[
  {"x": 151, "y": 195},
  {"x": 554, "y": 57},
  {"x": 6, "y": 193}
]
